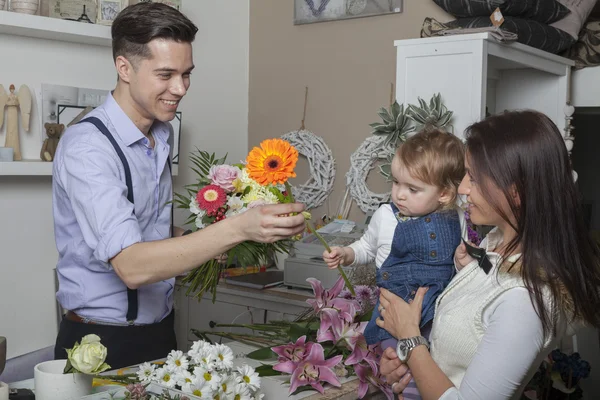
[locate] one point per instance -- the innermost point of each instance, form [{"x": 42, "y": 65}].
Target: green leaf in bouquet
[
  {"x": 280, "y": 197},
  {"x": 264, "y": 353},
  {"x": 366, "y": 316},
  {"x": 266, "y": 370},
  {"x": 296, "y": 331}
]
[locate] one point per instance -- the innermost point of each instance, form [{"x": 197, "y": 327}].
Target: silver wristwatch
[{"x": 406, "y": 346}]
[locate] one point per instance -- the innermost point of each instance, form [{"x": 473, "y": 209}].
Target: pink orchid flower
[
  {"x": 313, "y": 370},
  {"x": 367, "y": 375}
]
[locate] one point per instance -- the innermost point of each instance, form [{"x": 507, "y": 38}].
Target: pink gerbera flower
[{"x": 210, "y": 198}]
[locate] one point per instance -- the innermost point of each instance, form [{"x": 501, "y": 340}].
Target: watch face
[{"x": 402, "y": 350}]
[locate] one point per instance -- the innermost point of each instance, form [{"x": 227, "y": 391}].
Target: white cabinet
[
  {"x": 234, "y": 305},
  {"x": 475, "y": 72}
]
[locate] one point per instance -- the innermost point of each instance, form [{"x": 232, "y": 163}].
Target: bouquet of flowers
[
  {"x": 321, "y": 346},
  {"x": 224, "y": 190},
  {"x": 206, "y": 372},
  {"x": 558, "y": 378}
]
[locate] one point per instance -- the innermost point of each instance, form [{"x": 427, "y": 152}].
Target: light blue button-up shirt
[{"x": 94, "y": 221}]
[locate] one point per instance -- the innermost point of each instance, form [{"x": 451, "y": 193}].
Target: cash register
[{"x": 306, "y": 258}]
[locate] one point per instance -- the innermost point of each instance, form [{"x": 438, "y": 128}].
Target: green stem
[
  {"x": 312, "y": 229},
  {"x": 340, "y": 269}
]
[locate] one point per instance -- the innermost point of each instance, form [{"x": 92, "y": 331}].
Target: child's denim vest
[{"x": 422, "y": 254}]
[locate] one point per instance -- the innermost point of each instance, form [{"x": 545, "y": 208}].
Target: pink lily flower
[
  {"x": 360, "y": 352},
  {"x": 324, "y": 297},
  {"x": 293, "y": 351},
  {"x": 313, "y": 370},
  {"x": 366, "y": 374}
]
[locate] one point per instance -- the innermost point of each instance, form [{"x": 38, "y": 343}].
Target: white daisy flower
[
  {"x": 249, "y": 377},
  {"x": 146, "y": 372},
  {"x": 227, "y": 385},
  {"x": 258, "y": 396},
  {"x": 241, "y": 392},
  {"x": 183, "y": 377},
  {"x": 177, "y": 360},
  {"x": 210, "y": 377},
  {"x": 199, "y": 389},
  {"x": 224, "y": 357},
  {"x": 165, "y": 376}
]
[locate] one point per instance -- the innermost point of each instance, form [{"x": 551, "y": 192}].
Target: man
[{"x": 111, "y": 188}]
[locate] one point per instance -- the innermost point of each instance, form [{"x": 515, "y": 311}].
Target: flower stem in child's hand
[{"x": 312, "y": 229}]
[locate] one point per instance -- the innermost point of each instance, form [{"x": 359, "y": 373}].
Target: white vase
[
  {"x": 280, "y": 260},
  {"x": 51, "y": 384},
  {"x": 24, "y": 6}
]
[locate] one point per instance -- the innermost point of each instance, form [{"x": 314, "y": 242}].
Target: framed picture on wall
[
  {"x": 73, "y": 9},
  {"x": 309, "y": 11},
  {"x": 108, "y": 10}
]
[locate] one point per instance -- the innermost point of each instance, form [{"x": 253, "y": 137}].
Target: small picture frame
[
  {"x": 108, "y": 10},
  {"x": 69, "y": 114},
  {"x": 176, "y": 124}
]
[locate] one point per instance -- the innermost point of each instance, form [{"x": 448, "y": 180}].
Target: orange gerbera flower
[{"x": 273, "y": 162}]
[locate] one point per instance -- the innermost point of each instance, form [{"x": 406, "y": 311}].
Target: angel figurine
[{"x": 22, "y": 100}]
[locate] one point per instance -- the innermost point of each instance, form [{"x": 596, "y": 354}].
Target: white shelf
[
  {"x": 35, "y": 26},
  {"x": 37, "y": 168}
]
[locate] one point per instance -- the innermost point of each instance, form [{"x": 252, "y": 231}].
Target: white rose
[{"x": 88, "y": 357}]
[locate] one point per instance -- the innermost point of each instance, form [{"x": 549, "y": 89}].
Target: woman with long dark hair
[{"x": 538, "y": 271}]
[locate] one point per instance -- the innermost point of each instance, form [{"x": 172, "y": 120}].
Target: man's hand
[{"x": 270, "y": 223}]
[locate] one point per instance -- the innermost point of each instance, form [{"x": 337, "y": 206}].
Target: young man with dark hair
[{"x": 118, "y": 255}]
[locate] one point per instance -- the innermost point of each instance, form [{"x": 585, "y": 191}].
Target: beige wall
[{"x": 348, "y": 66}]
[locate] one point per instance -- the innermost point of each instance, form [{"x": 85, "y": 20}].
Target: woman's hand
[
  {"x": 400, "y": 318},
  {"x": 396, "y": 374}
]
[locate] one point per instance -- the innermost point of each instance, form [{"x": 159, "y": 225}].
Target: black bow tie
[{"x": 480, "y": 255}]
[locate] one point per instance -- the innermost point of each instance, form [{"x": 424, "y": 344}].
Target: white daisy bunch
[{"x": 205, "y": 372}]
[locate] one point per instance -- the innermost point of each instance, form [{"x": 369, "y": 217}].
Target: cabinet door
[
  {"x": 454, "y": 68},
  {"x": 203, "y": 316}
]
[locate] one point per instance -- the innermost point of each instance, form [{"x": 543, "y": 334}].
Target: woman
[{"x": 492, "y": 330}]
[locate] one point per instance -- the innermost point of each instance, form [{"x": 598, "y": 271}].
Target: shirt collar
[
  {"x": 126, "y": 129},
  {"x": 494, "y": 239}
]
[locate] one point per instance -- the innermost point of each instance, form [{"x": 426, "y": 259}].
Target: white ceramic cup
[
  {"x": 3, "y": 391},
  {"x": 6, "y": 154},
  {"x": 51, "y": 384}
]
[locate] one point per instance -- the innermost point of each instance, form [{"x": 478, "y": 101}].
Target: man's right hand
[
  {"x": 270, "y": 223},
  {"x": 396, "y": 373},
  {"x": 335, "y": 258}
]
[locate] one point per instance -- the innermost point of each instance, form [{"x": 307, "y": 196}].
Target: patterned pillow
[
  {"x": 546, "y": 11},
  {"x": 580, "y": 11},
  {"x": 586, "y": 52},
  {"x": 531, "y": 33}
]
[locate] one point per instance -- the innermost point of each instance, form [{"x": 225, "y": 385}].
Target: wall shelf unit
[
  {"x": 35, "y": 26},
  {"x": 38, "y": 168}
]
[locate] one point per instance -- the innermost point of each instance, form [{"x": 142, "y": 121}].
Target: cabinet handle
[{"x": 212, "y": 324}]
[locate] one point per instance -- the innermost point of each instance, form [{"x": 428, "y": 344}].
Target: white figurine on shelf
[{"x": 22, "y": 100}]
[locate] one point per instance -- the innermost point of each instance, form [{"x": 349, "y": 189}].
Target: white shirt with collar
[{"x": 486, "y": 335}]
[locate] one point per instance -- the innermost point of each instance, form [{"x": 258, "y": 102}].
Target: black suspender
[{"x": 132, "y": 295}]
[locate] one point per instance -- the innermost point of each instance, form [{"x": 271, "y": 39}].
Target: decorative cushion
[
  {"x": 531, "y": 33},
  {"x": 586, "y": 52},
  {"x": 573, "y": 22},
  {"x": 546, "y": 11}
]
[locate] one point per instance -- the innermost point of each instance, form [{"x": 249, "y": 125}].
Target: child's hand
[
  {"x": 222, "y": 258},
  {"x": 461, "y": 257},
  {"x": 335, "y": 258}
]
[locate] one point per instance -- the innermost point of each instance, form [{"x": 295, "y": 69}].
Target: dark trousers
[{"x": 126, "y": 345}]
